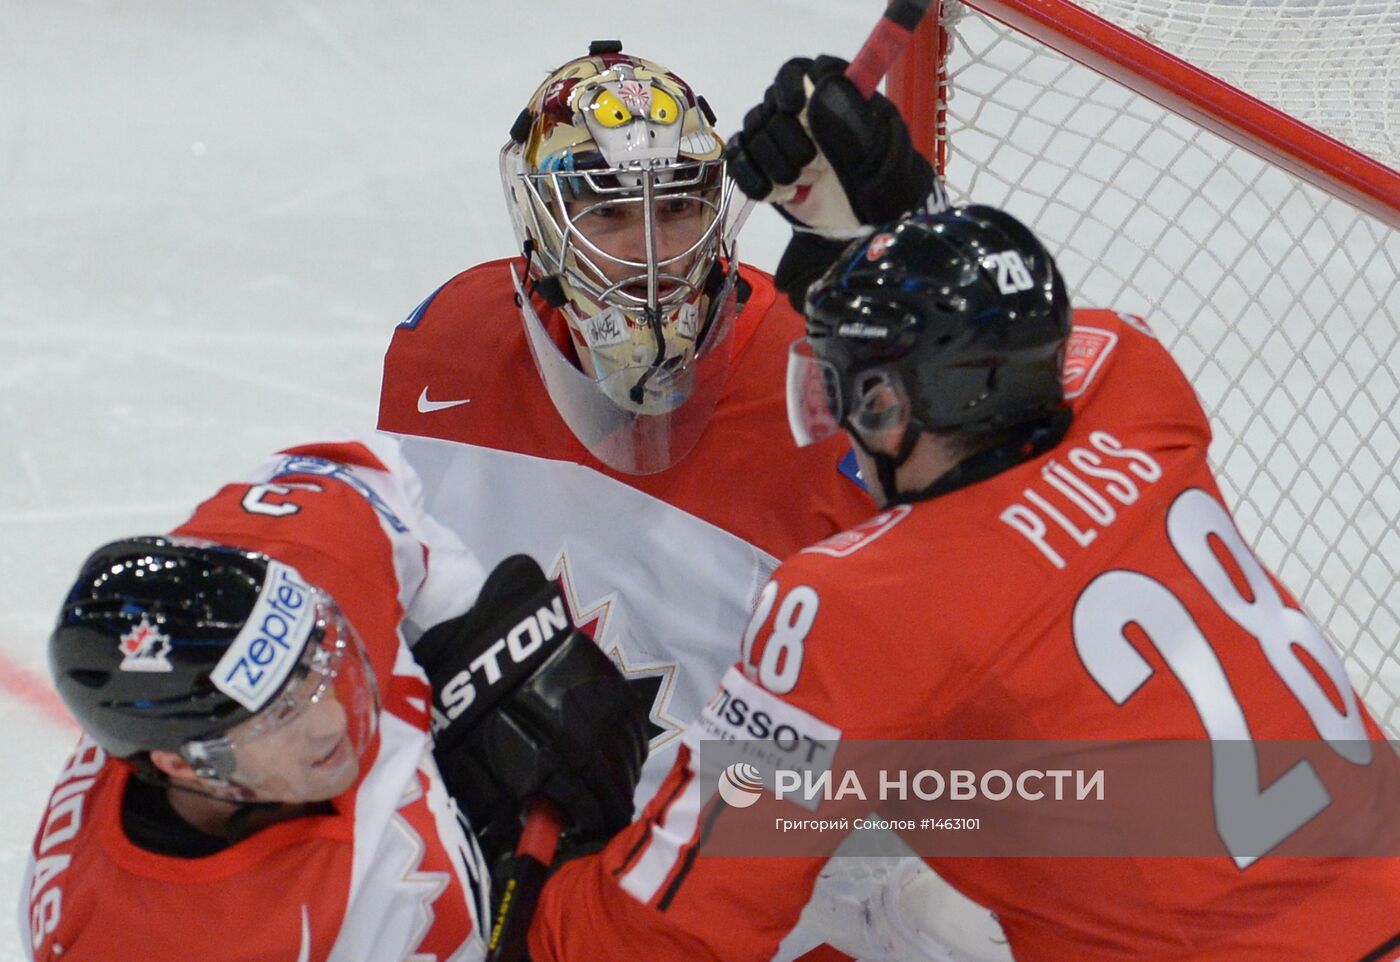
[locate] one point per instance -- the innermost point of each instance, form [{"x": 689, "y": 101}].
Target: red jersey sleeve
[
  {"x": 813, "y": 671},
  {"x": 651, "y": 894}
]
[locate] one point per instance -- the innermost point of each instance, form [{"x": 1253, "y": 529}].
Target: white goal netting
[{"x": 1281, "y": 302}]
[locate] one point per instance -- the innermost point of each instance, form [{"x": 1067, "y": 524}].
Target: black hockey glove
[
  {"x": 834, "y": 164},
  {"x": 814, "y": 129},
  {"x": 526, "y": 706}
]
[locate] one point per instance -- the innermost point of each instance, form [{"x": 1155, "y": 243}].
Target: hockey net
[{"x": 1280, "y": 300}]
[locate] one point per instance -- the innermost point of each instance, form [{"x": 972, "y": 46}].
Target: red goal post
[
  {"x": 1168, "y": 80},
  {"x": 1227, "y": 170}
]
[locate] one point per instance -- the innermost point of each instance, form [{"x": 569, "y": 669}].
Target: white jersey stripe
[{"x": 673, "y": 831}]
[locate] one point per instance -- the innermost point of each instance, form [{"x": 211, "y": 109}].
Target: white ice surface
[{"x": 211, "y": 217}]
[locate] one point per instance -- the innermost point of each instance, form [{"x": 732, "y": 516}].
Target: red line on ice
[{"x": 22, "y": 684}]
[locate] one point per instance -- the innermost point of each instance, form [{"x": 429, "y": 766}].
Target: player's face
[
  {"x": 619, "y": 230},
  {"x": 310, "y": 759},
  {"x": 881, "y": 415}
]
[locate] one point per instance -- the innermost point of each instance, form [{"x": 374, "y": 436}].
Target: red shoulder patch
[
  {"x": 853, "y": 539},
  {"x": 1085, "y": 352}
]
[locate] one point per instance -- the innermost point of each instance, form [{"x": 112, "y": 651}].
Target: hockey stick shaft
[
  {"x": 521, "y": 887},
  {"x": 885, "y": 43},
  {"x": 874, "y": 59}
]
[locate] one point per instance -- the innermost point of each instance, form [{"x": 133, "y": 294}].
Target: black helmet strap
[
  {"x": 887, "y": 464},
  {"x": 1031, "y": 441}
]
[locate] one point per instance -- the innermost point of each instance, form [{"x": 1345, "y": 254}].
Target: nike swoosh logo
[
  {"x": 428, "y": 407},
  {"x": 305, "y": 954}
]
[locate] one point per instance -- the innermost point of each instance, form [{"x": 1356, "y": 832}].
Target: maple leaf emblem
[
  {"x": 145, "y": 647},
  {"x": 135, "y": 641},
  {"x": 652, "y": 681}
]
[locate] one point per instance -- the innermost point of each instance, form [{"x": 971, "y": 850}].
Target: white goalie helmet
[{"x": 614, "y": 176}]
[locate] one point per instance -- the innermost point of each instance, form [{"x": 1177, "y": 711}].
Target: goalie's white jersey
[{"x": 662, "y": 570}]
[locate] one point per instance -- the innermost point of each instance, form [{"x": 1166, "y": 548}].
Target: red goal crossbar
[{"x": 1323, "y": 161}]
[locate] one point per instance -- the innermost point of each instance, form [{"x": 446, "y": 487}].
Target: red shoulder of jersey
[
  {"x": 459, "y": 369},
  {"x": 325, "y": 529},
  {"x": 465, "y": 344},
  {"x": 1115, "y": 367},
  {"x": 256, "y": 900},
  {"x": 985, "y": 557},
  {"x": 342, "y": 452}
]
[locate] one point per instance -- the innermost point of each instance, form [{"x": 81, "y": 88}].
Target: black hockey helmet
[
  {"x": 964, "y": 310},
  {"x": 141, "y": 633},
  {"x": 966, "y": 305}
]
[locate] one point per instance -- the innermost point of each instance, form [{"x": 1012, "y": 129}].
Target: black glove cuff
[
  {"x": 870, "y": 150},
  {"x": 807, "y": 257}
]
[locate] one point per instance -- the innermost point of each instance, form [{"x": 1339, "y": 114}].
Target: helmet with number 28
[
  {"x": 614, "y": 175},
  {"x": 961, "y": 316}
]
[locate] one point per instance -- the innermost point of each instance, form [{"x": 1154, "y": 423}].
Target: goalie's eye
[
  {"x": 608, "y": 110},
  {"x": 664, "y": 109}
]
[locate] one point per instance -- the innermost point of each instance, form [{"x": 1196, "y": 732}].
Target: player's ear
[{"x": 172, "y": 766}]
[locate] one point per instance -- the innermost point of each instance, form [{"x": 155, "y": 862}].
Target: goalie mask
[
  {"x": 615, "y": 180},
  {"x": 225, "y": 657}
]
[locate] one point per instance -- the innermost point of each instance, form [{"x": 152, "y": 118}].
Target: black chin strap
[
  {"x": 1031, "y": 441},
  {"x": 887, "y": 464},
  {"x": 153, "y": 823},
  {"x": 714, "y": 280},
  {"x": 253, "y": 817},
  {"x": 653, "y": 317}
]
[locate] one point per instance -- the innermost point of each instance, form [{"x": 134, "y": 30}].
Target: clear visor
[
  {"x": 874, "y": 400},
  {"x": 308, "y": 743},
  {"x": 813, "y": 395},
  {"x": 639, "y": 418}
]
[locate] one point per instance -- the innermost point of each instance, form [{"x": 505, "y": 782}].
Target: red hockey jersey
[
  {"x": 1100, "y": 591},
  {"x": 661, "y": 569},
  {"x": 391, "y": 875}
]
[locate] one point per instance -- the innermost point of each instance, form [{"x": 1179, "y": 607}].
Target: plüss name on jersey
[{"x": 1079, "y": 494}]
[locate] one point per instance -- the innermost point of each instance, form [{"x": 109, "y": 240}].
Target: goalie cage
[{"x": 1262, "y": 250}]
